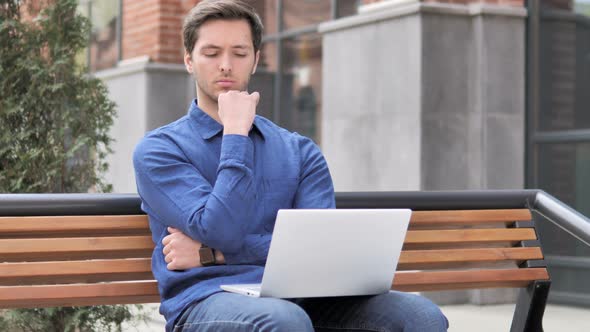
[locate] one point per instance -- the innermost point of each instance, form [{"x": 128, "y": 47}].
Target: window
[
  {"x": 290, "y": 69},
  {"x": 558, "y": 139},
  {"x": 104, "y": 50}
]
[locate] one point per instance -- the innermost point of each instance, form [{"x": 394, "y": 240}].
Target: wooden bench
[{"x": 77, "y": 250}]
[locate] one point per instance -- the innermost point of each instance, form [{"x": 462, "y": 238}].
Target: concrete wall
[
  {"x": 148, "y": 95},
  {"x": 426, "y": 96},
  {"x": 473, "y": 101},
  {"x": 371, "y": 129}
]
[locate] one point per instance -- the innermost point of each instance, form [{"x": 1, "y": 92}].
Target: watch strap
[{"x": 207, "y": 255}]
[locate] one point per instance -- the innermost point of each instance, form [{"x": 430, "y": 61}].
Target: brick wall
[{"x": 153, "y": 28}]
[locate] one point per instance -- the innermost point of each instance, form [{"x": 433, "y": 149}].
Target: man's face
[{"x": 223, "y": 58}]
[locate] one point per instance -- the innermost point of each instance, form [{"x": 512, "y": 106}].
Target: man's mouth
[{"x": 225, "y": 83}]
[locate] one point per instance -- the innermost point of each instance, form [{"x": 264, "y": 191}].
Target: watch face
[{"x": 207, "y": 256}]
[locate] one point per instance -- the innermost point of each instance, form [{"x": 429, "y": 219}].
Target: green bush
[
  {"x": 54, "y": 122},
  {"x": 82, "y": 319},
  {"x": 54, "y": 118}
]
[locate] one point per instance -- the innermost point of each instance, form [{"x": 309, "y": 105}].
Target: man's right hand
[
  {"x": 182, "y": 253},
  {"x": 237, "y": 110}
]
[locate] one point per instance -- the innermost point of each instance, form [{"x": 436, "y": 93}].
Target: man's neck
[{"x": 209, "y": 106}]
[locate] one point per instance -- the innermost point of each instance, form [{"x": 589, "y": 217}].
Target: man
[{"x": 212, "y": 183}]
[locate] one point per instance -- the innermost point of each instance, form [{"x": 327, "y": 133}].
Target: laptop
[{"x": 331, "y": 252}]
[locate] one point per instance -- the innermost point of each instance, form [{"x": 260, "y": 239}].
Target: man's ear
[
  {"x": 187, "y": 62},
  {"x": 256, "y": 58}
]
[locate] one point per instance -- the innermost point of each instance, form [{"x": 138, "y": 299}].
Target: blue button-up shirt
[{"x": 224, "y": 191}]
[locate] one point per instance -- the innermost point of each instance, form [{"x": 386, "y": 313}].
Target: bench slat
[
  {"x": 412, "y": 281},
  {"x": 78, "y": 294},
  {"x": 468, "y": 217},
  {"x": 71, "y": 248},
  {"x": 75, "y": 271},
  {"x": 443, "y": 258},
  {"x": 73, "y": 225},
  {"x": 76, "y": 224},
  {"x": 470, "y": 235}
]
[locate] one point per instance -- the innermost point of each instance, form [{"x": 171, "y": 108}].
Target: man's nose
[{"x": 225, "y": 64}]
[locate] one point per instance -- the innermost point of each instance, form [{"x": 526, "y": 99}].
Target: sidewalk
[
  {"x": 497, "y": 318},
  {"x": 463, "y": 318}
]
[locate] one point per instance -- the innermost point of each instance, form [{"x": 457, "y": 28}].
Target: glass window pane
[
  {"x": 557, "y": 4},
  {"x": 264, "y": 79},
  {"x": 346, "y": 8},
  {"x": 301, "y": 83},
  {"x": 103, "y": 40},
  {"x": 267, "y": 10},
  {"x": 564, "y": 67},
  {"x": 563, "y": 173},
  {"x": 297, "y": 14}
]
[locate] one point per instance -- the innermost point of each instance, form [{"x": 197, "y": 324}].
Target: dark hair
[{"x": 220, "y": 9}]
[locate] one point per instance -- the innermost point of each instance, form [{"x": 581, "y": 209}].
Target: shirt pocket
[{"x": 277, "y": 194}]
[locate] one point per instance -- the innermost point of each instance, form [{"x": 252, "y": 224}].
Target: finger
[
  {"x": 168, "y": 258},
  {"x": 173, "y": 230},
  {"x": 166, "y": 250},
  {"x": 171, "y": 266},
  {"x": 166, "y": 240}
]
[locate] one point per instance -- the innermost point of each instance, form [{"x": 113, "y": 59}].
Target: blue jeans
[{"x": 394, "y": 311}]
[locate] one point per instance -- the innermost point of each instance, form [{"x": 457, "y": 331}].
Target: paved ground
[
  {"x": 494, "y": 318},
  {"x": 463, "y": 318}
]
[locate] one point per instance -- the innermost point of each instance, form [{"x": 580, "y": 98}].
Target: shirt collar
[{"x": 208, "y": 127}]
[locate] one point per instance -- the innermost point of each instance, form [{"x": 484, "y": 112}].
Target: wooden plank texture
[
  {"x": 75, "y": 260},
  {"x": 78, "y": 294},
  {"x": 412, "y": 281},
  {"x": 75, "y": 271},
  {"x": 136, "y": 292},
  {"x": 66, "y": 226},
  {"x": 449, "y": 258},
  {"x": 468, "y": 217},
  {"x": 72, "y": 248},
  {"x": 470, "y": 235}
]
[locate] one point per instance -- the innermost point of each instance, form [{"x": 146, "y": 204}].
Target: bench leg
[{"x": 530, "y": 307}]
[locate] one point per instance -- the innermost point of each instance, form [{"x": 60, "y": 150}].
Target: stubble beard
[{"x": 210, "y": 92}]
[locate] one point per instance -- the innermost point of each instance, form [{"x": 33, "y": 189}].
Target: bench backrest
[{"x": 91, "y": 260}]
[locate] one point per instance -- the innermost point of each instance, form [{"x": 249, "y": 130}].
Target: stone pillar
[
  {"x": 148, "y": 95},
  {"x": 426, "y": 96}
]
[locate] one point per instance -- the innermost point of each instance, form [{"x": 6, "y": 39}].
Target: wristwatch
[{"x": 207, "y": 255}]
